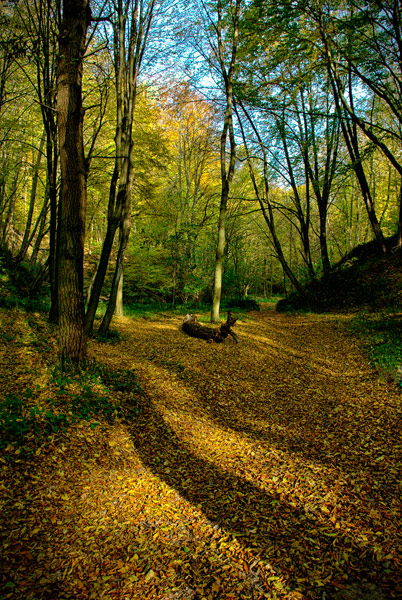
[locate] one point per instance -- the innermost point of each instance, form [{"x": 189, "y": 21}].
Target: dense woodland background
[{"x": 261, "y": 136}]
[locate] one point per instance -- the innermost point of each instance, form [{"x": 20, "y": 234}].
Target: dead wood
[{"x": 218, "y": 335}]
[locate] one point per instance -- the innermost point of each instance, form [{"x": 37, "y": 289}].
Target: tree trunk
[
  {"x": 266, "y": 205},
  {"x": 72, "y": 339},
  {"x": 118, "y": 274},
  {"x": 41, "y": 226},
  {"x": 128, "y": 58},
  {"x": 220, "y": 252},
  {"x": 119, "y": 310},
  {"x": 97, "y": 284},
  {"x": 51, "y": 157},
  {"x": 349, "y": 131},
  {"x": 218, "y": 335},
  {"x": 35, "y": 177},
  {"x": 400, "y": 217},
  {"x": 227, "y": 171}
]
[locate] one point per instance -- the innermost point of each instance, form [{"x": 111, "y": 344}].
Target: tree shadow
[
  {"x": 308, "y": 408},
  {"x": 291, "y": 541}
]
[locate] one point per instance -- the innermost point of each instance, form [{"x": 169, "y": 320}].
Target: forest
[
  {"x": 213, "y": 151},
  {"x": 231, "y": 170}
]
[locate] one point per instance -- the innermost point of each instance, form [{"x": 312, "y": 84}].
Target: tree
[
  {"x": 360, "y": 44},
  {"x": 227, "y": 162},
  {"x": 72, "y": 339},
  {"x": 131, "y": 22},
  {"x": 191, "y": 125},
  {"x": 264, "y": 196},
  {"x": 40, "y": 21},
  {"x": 353, "y": 144}
]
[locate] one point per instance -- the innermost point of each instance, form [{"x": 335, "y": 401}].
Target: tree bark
[
  {"x": 127, "y": 65},
  {"x": 72, "y": 339},
  {"x": 349, "y": 130},
  {"x": 35, "y": 177},
  {"x": 227, "y": 171},
  {"x": 218, "y": 335},
  {"x": 263, "y": 197},
  {"x": 118, "y": 274}
]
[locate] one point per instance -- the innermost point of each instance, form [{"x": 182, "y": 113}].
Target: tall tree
[
  {"x": 131, "y": 21},
  {"x": 351, "y": 136},
  {"x": 76, "y": 18},
  {"x": 228, "y": 157},
  {"x": 40, "y": 21},
  {"x": 263, "y": 194},
  {"x": 191, "y": 126}
]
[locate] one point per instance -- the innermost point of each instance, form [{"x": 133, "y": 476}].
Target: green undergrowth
[
  {"x": 29, "y": 419},
  {"x": 381, "y": 337},
  {"x": 203, "y": 310},
  {"x": 19, "y": 288}
]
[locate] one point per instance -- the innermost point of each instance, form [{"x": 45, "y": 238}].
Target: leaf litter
[{"x": 266, "y": 469}]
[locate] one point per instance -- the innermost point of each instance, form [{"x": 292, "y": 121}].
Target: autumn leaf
[{"x": 266, "y": 469}]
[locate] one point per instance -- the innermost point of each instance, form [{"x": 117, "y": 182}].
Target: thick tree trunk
[
  {"x": 218, "y": 335},
  {"x": 72, "y": 339}
]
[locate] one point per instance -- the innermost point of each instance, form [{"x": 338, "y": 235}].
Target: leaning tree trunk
[
  {"x": 131, "y": 24},
  {"x": 123, "y": 241},
  {"x": 72, "y": 339}
]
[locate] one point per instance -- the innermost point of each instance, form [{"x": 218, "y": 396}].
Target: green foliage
[
  {"x": 244, "y": 304},
  {"x": 381, "y": 335},
  {"x": 27, "y": 421},
  {"x": 145, "y": 310},
  {"x": 112, "y": 336},
  {"x": 120, "y": 380},
  {"x": 17, "y": 286},
  {"x": 15, "y": 422}
]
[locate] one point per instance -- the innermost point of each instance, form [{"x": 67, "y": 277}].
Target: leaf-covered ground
[{"x": 267, "y": 469}]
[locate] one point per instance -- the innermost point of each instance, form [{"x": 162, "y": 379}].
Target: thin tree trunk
[
  {"x": 97, "y": 284},
  {"x": 349, "y": 131},
  {"x": 400, "y": 217},
  {"x": 8, "y": 227},
  {"x": 119, "y": 311},
  {"x": 127, "y": 65},
  {"x": 35, "y": 177},
  {"x": 227, "y": 171},
  {"x": 123, "y": 241},
  {"x": 41, "y": 224},
  {"x": 51, "y": 154},
  {"x": 267, "y": 209}
]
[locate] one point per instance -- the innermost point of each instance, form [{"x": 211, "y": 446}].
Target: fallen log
[{"x": 218, "y": 335}]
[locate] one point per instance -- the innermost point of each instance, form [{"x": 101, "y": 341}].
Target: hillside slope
[{"x": 365, "y": 280}]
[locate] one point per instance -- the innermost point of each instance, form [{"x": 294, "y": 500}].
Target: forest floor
[{"x": 270, "y": 468}]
